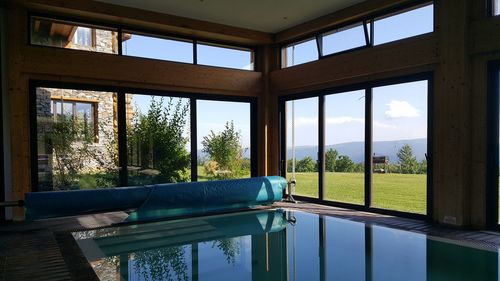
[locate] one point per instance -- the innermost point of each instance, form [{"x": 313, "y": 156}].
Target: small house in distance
[{"x": 380, "y": 164}]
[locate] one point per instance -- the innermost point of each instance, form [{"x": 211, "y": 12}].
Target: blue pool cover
[{"x": 158, "y": 201}]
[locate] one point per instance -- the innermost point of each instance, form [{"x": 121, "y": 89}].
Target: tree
[
  {"x": 289, "y": 164},
  {"x": 330, "y": 159},
  {"x": 407, "y": 162},
  {"x": 71, "y": 142},
  {"x": 305, "y": 165},
  {"x": 225, "y": 149},
  {"x": 359, "y": 167},
  {"x": 422, "y": 169},
  {"x": 158, "y": 136},
  {"x": 344, "y": 164}
]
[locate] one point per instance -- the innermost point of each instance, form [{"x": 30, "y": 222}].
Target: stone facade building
[{"x": 94, "y": 112}]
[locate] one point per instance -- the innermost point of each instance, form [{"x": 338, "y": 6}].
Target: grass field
[
  {"x": 390, "y": 191},
  {"x": 400, "y": 192}
]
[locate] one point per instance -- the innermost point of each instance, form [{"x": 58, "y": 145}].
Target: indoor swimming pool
[{"x": 278, "y": 245}]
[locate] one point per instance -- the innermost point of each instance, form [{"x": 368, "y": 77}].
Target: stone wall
[{"x": 106, "y": 124}]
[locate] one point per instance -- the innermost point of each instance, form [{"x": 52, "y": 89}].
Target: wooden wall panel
[
  {"x": 452, "y": 116},
  {"x": 485, "y": 36},
  {"x": 415, "y": 54},
  {"x": 131, "y": 71}
]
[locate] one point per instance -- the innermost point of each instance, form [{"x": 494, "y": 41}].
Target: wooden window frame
[{"x": 95, "y": 111}]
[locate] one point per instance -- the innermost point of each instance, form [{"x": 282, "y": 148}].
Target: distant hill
[{"x": 355, "y": 150}]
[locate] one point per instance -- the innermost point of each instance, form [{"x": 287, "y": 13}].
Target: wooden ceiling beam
[{"x": 157, "y": 22}]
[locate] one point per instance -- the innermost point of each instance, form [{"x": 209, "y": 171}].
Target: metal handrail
[{"x": 18, "y": 203}]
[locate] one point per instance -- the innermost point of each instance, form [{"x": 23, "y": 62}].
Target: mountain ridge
[{"x": 355, "y": 150}]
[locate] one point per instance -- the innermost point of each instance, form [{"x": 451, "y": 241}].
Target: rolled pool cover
[
  {"x": 50, "y": 204},
  {"x": 171, "y": 200},
  {"x": 158, "y": 201}
]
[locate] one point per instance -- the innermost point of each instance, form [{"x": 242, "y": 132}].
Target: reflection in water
[
  {"x": 230, "y": 247},
  {"x": 162, "y": 264},
  {"x": 265, "y": 246}
]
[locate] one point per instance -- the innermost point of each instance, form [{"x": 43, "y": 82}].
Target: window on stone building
[
  {"x": 84, "y": 36},
  {"x": 82, "y": 114}
]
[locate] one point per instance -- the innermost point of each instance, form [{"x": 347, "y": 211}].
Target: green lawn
[
  {"x": 400, "y": 192},
  {"x": 390, "y": 191}
]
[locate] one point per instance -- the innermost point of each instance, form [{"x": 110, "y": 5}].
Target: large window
[
  {"x": 114, "y": 40},
  {"x": 86, "y": 139},
  {"x": 345, "y": 146},
  {"x": 302, "y": 145},
  {"x": 75, "y": 149},
  {"x": 366, "y": 147},
  {"x": 158, "y": 135},
  {"x": 223, "y": 140},
  {"x": 367, "y": 32},
  {"x": 400, "y": 139}
]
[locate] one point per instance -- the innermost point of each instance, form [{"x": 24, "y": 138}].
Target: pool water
[{"x": 278, "y": 245}]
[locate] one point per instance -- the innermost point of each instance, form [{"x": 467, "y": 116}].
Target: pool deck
[{"x": 45, "y": 250}]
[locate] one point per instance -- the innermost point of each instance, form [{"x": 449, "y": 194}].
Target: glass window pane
[
  {"x": 157, "y": 139},
  {"x": 303, "y": 248},
  {"x": 345, "y": 147},
  {"x": 225, "y": 258},
  {"x": 343, "y": 39},
  {"x": 223, "y": 140},
  {"x": 224, "y": 57},
  {"x": 72, "y": 154},
  {"x": 48, "y": 32},
  {"x": 496, "y": 9},
  {"x": 345, "y": 250},
  {"x": 400, "y": 255},
  {"x": 302, "y": 145},
  {"x": 299, "y": 53},
  {"x": 404, "y": 25},
  {"x": 144, "y": 46},
  {"x": 400, "y": 147}
]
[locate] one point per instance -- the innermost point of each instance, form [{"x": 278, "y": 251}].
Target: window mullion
[
  {"x": 122, "y": 138},
  {"x": 368, "y": 146}
]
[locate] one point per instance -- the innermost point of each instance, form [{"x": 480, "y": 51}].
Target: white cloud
[
  {"x": 343, "y": 120},
  {"x": 311, "y": 121},
  {"x": 383, "y": 125},
  {"x": 401, "y": 109}
]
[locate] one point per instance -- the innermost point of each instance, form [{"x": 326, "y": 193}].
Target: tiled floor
[{"x": 44, "y": 250}]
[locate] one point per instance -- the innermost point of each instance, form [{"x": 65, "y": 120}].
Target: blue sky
[{"x": 399, "y": 111}]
